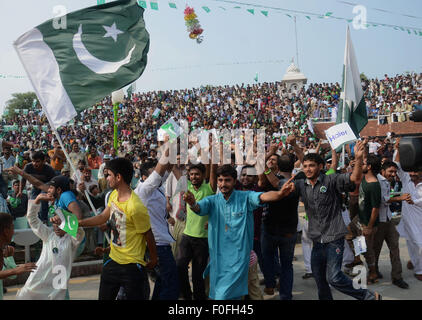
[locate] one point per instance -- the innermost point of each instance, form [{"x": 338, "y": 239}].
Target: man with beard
[
  {"x": 369, "y": 207},
  {"x": 194, "y": 243},
  {"x": 410, "y": 226},
  {"x": 321, "y": 195},
  {"x": 230, "y": 226},
  {"x": 386, "y": 228},
  {"x": 41, "y": 171},
  {"x": 64, "y": 197}
]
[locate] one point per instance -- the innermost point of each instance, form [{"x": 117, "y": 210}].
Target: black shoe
[
  {"x": 379, "y": 275},
  {"x": 307, "y": 276},
  {"x": 4, "y": 290},
  {"x": 401, "y": 284}
]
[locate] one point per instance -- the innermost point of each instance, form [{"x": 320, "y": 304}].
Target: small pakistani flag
[
  {"x": 131, "y": 89},
  {"x": 34, "y": 103},
  {"x": 69, "y": 222},
  {"x": 256, "y": 77},
  {"x": 156, "y": 113},
  {"x": 75, "y": 62},
  {"x": 171, "y": 128}
]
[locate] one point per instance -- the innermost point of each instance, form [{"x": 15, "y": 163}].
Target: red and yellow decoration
[{"x": 192, "y": 24}]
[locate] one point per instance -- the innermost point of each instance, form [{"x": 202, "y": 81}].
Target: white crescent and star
[{"x": 94, "y": 64}]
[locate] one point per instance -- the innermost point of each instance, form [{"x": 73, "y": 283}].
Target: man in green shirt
[
  {"x": 369, "y": 205},
  {"x": 194, "y": 243}
]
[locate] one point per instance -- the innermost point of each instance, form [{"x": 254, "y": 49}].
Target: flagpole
[
  {"x": 344, "y": 93},
  {"x": 72, "y": 166}
]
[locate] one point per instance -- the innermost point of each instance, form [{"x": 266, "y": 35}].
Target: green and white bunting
[{"x": 101, "y": 50}]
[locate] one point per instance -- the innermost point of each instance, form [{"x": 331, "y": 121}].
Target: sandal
[
  {"x": 378, "y": 296},
  {"x": 372, "y": 280}
]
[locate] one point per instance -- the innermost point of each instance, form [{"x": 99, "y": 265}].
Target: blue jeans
[
  {"x": 285, "y": 246},
  {"x": 167, "y": 282},
  {"x": 326, "y": 260}
]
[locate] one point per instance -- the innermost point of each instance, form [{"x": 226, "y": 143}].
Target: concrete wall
[{"x": 374, "y": 129}]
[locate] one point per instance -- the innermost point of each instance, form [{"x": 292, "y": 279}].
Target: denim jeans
[
  {"x": 326, "y": 260},
  {"x": 285, "y": 246},
  {"x": 132, "y": 277},
  {"x": 167, "y": 282}
]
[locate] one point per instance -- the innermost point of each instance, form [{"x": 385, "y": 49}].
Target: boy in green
[
  {"x": 194, "y": 243},
  {"x": 369, "y": 204}
]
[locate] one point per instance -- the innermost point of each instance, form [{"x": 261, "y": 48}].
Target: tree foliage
[{"x": 19, "y": 100}]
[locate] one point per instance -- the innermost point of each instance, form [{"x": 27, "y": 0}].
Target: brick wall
[{"x": 374, "y": 129}]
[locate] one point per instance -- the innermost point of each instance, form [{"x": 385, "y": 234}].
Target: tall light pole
[
  {"x": 297, "y": 51},
  {"x": 116, "y": 98}
]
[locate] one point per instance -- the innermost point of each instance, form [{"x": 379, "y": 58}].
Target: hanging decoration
[{"x": 192, "y": 24}]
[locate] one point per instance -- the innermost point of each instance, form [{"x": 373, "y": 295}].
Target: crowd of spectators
[{"x": 265, "y": 105}]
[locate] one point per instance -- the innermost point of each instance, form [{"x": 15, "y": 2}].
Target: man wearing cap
[{"x": 58, "y": 187}]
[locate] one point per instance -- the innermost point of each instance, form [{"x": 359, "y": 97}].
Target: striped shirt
[{"x": 323, "y": 204}]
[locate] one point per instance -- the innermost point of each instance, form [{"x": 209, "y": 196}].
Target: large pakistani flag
[
  {"x": 352, "y": 107},
  {"x": 101, "y": 49}
]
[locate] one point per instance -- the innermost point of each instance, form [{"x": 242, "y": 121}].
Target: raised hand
[
  {"x": 360, "y": 149},
  {"x": 15, "y": 170},
  {"x": 288, "y": 187},
  {"x": 189, "y": 198},
  {"x": 43, "y": 197},
  {"x": 291, "y": 139}
]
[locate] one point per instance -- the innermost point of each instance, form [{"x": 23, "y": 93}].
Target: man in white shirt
[
  {"x": 410, "y": 226},
  {"x": 386, "y": 229},
  {"x": 150, "y": 190},
  {"x": 7, "y": 161},
  {"x": 76, "y": 155},
  {"x": 77, "y": 176},
  {"x": 373, "y": 145},
  {"x": 176, "y": 207},
  {"x": 87, "y": 181}
]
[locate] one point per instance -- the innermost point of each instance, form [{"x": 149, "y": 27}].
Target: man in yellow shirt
[{"x": 130, "y": 235}]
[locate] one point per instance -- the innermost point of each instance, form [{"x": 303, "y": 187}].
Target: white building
[{"x": 294, "y": 79}]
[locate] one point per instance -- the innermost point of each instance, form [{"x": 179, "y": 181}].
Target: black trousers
[
  {"x": 195, "y": 250},
  {"x": 132, "y": 277}
]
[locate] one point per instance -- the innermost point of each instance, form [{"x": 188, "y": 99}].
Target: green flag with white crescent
[
  {"x": 69, "y": 222},
  {"x": 102, "y": 49},
  {"x": 352, "y": 106}
]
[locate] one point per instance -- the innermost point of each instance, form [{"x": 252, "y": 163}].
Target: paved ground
[{"x": 86, "y": 288}]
